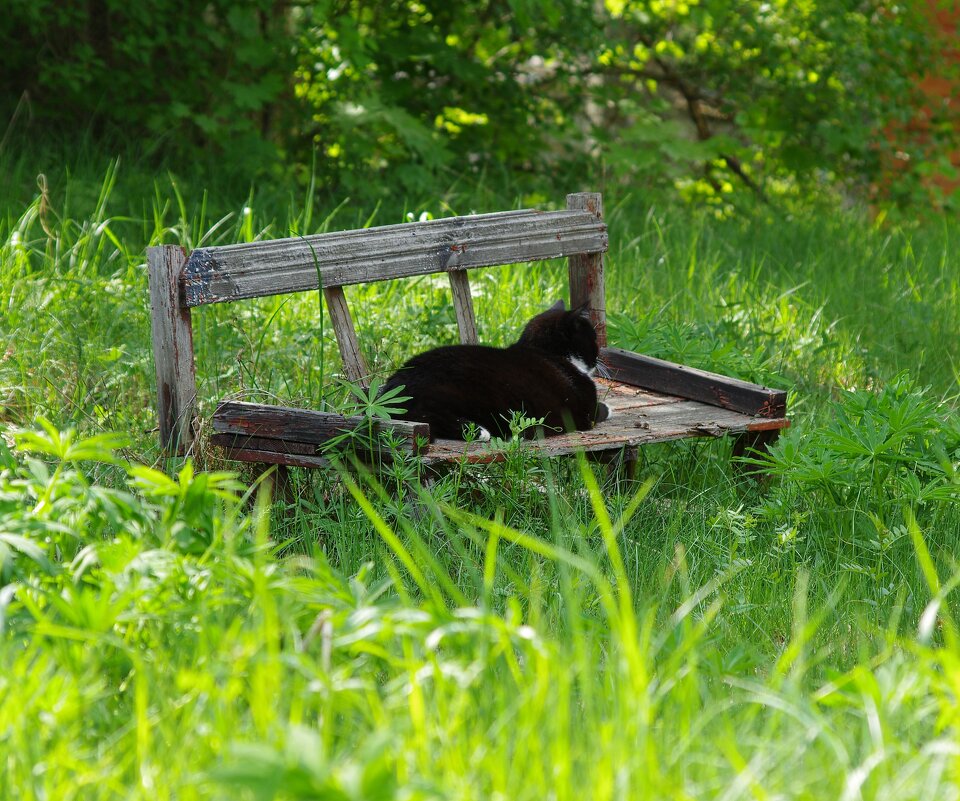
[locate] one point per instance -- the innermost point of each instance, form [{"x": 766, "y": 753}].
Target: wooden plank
[
  {"x": 463, "y": 306},
  {"x": 631, "y": 428},
  {"x": 263, "y": 444},
  {"x": 707, "y": 420},
  {"x": 275, "y": 457},
  {"x": 627, "y": 429},
  {"x": 688, "y": 382},
  {"x": 623, "y": 396},
  {"x": 172, "y": 334},
  {"x": 306, "y": 425},
  {"x": 586, "y": 269},
  {"x": 354, "y": 365},
  {"x": 299, "y": 453},
  {"x": 255, "y": 269}
]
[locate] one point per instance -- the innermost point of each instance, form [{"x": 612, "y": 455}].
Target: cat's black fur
[{"x": 452, "y": 386}]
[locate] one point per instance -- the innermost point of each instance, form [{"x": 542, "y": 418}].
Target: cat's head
[{"x": 567, "y": 334}]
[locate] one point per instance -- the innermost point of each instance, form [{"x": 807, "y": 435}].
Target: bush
[
  {"x": 876, "y": 453},
  {"x": 180, "y": 75},
  {"x": 697, "y": 96}
]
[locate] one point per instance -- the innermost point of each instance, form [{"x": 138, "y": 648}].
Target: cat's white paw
[
  {"x": 482, "y": 434},
  {"x": 604, "y": 412}
]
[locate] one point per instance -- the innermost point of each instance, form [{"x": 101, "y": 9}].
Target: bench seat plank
[
  {"x": 640, "y": 417},
  {"x": 627, "y": 428},
  {"x": 255, "y": 423},
  {"x": 241, "y": 454},
  {"x": 718, "y": 390},
  {"x": 256, "y": 269}
]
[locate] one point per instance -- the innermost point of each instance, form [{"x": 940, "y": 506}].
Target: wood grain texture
[
  {"x": 622, "y": 397},
  {"x": 306, "y": 426},
  {"x": 172, "y": 335},
  {"x": 626, "y": 429},
  {"x": 463, "y": 306},
  {"x": 295, "y": 454},
  {"x": 354, "y": 365},
  {"x": 585, "y": 269},
  {"x": 263, "y": 444},
  {"x": 276, "y": 435},
  {"x": 274, "y": 457},
  {"x": 688, "y": 382},
  {"x": 255, "y": 269}
]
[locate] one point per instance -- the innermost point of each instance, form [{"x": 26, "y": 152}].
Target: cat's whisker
[{"x": 602, "y": 370}]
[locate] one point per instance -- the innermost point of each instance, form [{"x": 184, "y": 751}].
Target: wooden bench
[{"x": 652, "y": 400}]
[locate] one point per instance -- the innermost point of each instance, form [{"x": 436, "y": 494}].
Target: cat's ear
[
  {"x": 558, "y": 306},
  {"x": 583, "y": 310}
]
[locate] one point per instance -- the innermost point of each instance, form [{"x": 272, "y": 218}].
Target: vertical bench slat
[
  {"x": 463, "y": 306},
  {"x": 586, "y": 270},
  {"x": 353, "y": 363},
  {"x": 172, "y": 334}
]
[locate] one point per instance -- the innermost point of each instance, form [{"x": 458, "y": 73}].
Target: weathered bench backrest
[{"x": 332, "y": 261}]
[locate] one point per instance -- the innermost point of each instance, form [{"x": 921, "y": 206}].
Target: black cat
[{"x": 545, "y": 374}]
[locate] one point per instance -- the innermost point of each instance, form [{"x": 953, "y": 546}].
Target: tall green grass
[
  {"x": 156, "y": 646},
  {"x": 526, "y": 630}
]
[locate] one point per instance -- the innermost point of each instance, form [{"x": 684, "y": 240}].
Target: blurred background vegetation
[{"x": 713, "y": 100}]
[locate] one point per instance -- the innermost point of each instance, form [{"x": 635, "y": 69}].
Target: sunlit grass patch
[
  {"x": 525, "y": 630},
  {"x": 168, "y": 651}
]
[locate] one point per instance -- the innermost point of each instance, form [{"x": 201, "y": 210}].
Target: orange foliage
[{"x": 943, "y": 98}]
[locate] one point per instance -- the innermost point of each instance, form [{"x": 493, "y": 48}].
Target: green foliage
[
  {"x": 181, "y": 76},
  {"x": 713, "y": 346},
  {"x": 409, "y": 91},
  {"x": 702, "y": 96},
  {"x": 299, "y": 770},
  {"x": 876, "y": 453},
  {"x": 371, "y": 405},
  {"x": 767, "y": 93},
  {"x": 526, "y": 630},
  {"x": 769, "y": 90},
  {"x": 53, "y": 513},
  {"x": 459, "y": 648}
]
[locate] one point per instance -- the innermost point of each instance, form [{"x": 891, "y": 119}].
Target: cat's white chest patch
[{"x": 581, "y": 365}]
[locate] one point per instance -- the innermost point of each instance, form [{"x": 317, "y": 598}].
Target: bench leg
[
  {"x": 281, "y": 485},
  {"x": 756, "y": 442},
  {"x": 624, "y": 459}
]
